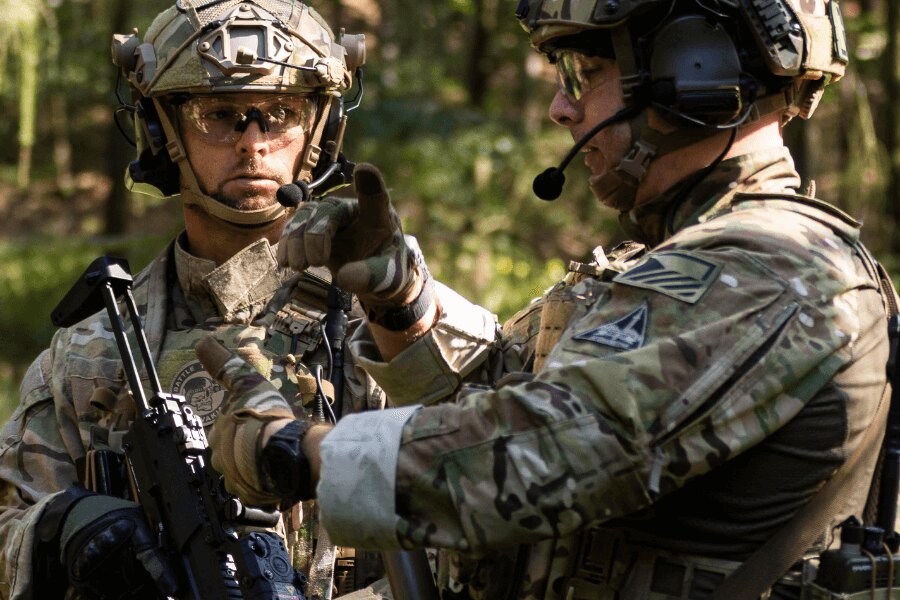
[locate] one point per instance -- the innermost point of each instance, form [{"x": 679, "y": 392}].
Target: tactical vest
[{"x": 285, "y": 345}]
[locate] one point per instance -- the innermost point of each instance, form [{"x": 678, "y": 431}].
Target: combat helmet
[
  {"x": 231, "y": 46},
  {"x": 709, "y": 65}
]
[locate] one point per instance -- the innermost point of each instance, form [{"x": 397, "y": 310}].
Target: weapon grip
[{"x": 409, "y": 575}]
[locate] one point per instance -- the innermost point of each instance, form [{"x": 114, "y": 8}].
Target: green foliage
[{"x": 36, "y": 274}]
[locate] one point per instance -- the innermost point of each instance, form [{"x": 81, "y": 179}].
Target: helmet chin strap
[
  {"x": 192, "y": 194},
  {"x": 618, "y": 187}
]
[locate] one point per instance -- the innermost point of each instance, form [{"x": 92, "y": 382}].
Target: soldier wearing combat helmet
[
  {"x": 231, "y": 100},
  {"x": 656, "y": 418}
]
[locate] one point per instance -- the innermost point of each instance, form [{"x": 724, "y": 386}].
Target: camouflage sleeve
[
  {"x": 36, "y": 463},
  {"x": 433, "y": 368},
  {"x": 649, "y": 387}
]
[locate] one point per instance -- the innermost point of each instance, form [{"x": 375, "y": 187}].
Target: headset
[{"x": 693, "y": 74}]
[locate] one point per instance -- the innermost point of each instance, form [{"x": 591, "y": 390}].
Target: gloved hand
[
  {"x": 109, "y": 552},
  {"x": 253, "y": 411},
  {"x": 361, "y": 242}
]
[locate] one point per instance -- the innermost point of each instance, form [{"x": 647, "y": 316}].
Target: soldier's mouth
[{"x": 593, "y": 159}]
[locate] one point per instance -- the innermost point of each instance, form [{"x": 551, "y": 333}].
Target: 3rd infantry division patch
[{"x": 674, "y": 274}]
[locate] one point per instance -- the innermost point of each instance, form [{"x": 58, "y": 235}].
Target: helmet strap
[
  {"x": 190, "y": 187},
  {"x": 618, "y": 187},
  {"x": 313, "y": 151}
]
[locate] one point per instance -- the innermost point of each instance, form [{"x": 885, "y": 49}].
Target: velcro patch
[
  {"x": 625, "y": 333},
  {"x": 674, "y": 274}
]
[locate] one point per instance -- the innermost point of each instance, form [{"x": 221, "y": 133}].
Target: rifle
[{"x": 167, "y": 461}]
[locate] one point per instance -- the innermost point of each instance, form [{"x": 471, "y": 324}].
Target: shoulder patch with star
[{"x": 674, "y": 274}]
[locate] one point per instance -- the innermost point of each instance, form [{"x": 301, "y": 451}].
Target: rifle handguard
[{"x": 285, "y": 465}]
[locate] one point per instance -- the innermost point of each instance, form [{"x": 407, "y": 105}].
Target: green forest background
[{"x": 454, "y": 114}]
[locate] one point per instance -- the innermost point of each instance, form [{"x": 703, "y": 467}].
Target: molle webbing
[
  {"x": 303, "y": 317},
  {"x": 558, "y": 305}
]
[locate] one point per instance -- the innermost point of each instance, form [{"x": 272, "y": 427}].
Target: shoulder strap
[{"x": 773, "y": 559}]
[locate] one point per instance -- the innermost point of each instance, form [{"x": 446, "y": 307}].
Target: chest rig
[
  {"x": 559, "y": 305},
  {"x": 284, "y": 344}
]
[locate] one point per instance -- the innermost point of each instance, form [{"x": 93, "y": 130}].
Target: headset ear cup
[
  {"x": 695, "y": 71},
  {"x": 330, "y": 137},
  {"x": 153, "y": 165},
  {"x": 157, "y": 170}
]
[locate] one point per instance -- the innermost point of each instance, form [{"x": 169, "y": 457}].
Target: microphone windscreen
[
  {"x": 549, "y": 184},
  {"x": 292, "y": 194}
]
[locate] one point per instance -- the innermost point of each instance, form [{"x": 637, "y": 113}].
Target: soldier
[
  {"x": 231, "y": 101},
  {"x": 658, "y": 416}
]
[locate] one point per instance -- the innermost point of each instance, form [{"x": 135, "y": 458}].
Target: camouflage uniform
[
  {"x": 678, "y": 401},
  {"x": 74, "y": 395}
]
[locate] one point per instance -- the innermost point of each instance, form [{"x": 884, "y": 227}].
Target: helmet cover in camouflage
[{"x": 203, "y": 47}]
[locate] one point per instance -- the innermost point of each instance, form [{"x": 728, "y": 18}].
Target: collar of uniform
[
  {"x": 770, "y": 170},
  {"x": 192, "y": 270},
  {"x": 243, "y": 283}
]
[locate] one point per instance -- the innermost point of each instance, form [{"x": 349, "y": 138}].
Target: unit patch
[
  {"x": 201, "y": 391},
  {"x": 625, "y": 333},
  {"x": 674, "y": 274}
]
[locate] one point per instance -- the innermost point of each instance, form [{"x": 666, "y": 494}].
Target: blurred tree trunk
[
  {"x": 535, "y": 110},
  {"x": 477, "y": 71},
  {"x": 62, "y": 144},
  {"x": 118, "y": 152},
  {"x": 892, "y": 89},
  {"x": 796, "y": 137},
  {"x": 29, "y": 60},
  {"x": 59, "y": 108}
]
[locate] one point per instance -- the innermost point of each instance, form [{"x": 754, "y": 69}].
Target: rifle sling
[{"x": 773, "y": 559}]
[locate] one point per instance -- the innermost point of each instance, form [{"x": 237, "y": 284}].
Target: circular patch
[{"x": 200, "y": 390}]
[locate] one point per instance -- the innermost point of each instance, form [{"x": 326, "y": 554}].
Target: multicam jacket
[
  {"x": 74, "y": 396},
  {"x": 687, "y": 399}
]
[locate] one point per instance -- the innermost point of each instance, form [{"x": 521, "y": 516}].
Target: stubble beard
[
  {"x": 617, "y": 142},
  {"x": 249, "y": 200}
]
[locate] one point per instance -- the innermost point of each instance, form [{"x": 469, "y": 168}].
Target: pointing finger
[{"x": 374, "y": 200}]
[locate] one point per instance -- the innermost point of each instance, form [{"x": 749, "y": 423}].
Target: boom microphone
[{"x": 549, "y": 184}]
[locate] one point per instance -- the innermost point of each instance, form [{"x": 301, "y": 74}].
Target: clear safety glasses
[
  {"x": 577, "y": 73},
  {"x": 223, "y": 119}
]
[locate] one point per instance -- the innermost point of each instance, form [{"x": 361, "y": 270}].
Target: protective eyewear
[
  {"x": 224, "y": 119},
  {"x": 578, "y": 73}
]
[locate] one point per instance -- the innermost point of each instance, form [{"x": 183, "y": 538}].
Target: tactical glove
[
  {"x": 107, "y": 549},
  {"x": 362, "y": 243},
  {"x": 253, "y": 410}
]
